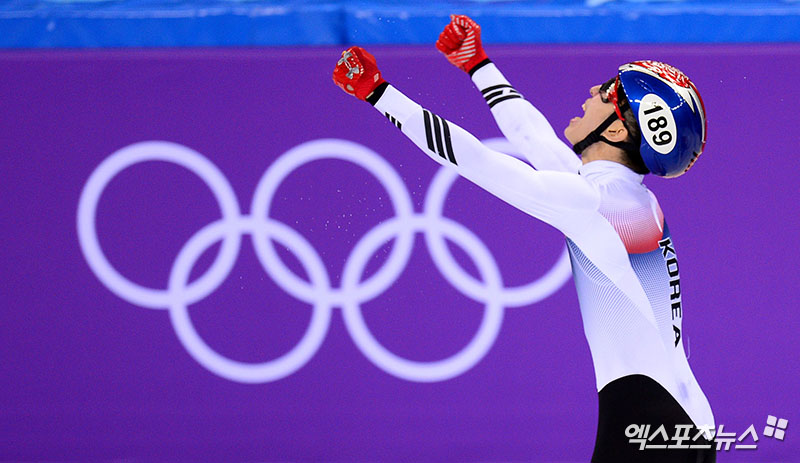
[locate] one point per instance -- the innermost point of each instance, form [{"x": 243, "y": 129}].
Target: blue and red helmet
[
  {"x": 670, "y": 114},
  {"x": 668, "y": 110}
]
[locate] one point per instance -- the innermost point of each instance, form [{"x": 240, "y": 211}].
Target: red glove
[
  {"x": 357, "y": 73},
  {"x": 460, "y": 41}
]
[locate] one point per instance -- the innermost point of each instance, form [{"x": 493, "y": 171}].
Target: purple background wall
[{"x": 86, "y": 374}]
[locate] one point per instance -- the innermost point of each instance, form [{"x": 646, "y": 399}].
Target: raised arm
[
  {"x": 558, "y": 198},
  {"x": 521, "y": 123}
]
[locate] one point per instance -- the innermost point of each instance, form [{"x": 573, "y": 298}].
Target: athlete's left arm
[
  {"x": 560, "y": 199},
  {"x": 521, "y": 123}
]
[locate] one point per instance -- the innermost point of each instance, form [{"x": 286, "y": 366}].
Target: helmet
[{"x": 670, "y": 114}]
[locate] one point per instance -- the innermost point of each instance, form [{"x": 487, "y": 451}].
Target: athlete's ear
[{"x": 616, "y": 131}]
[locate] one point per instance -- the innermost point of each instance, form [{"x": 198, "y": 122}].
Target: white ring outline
[
  {"x": 87, "y": 211},
  {"x": 233, "y": 370},
  {"x": 439, "y": 370},
  {"x": 346, "y": 151},
  {"x": 517, "y": 296},
  {"x": 318, "y": 292}
]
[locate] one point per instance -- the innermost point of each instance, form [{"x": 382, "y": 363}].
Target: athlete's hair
[{"x": 632, "y": 157}]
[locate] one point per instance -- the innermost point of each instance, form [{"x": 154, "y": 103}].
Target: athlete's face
[{"x": 595, "y": 111}]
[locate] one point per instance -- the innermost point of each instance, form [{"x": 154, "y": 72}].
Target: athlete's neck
[{"x": 605, "y": 152}]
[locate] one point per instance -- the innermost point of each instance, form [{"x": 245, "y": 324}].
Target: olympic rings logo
[{"x": 317, "y": 291}]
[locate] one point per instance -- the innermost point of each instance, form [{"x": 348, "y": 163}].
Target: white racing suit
[{"x": 623, "y": 258}]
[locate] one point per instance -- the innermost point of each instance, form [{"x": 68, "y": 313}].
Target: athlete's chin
[
  {"x": 575, "y": 130},
  {"x": 569, "y": 133}
]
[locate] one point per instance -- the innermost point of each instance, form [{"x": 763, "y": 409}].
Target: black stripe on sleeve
[
  {"x": 478, "y": 66},
  {"x": 428, "y": 133},
  {"x": 509, "y": 91},
  {"x": 394, "y": 121},
  {"x": 376, "y": 94},
  {"x": 448, "y": 143},
  {"x": 495, "y": 87},
  {"x": 497, "y": 93},
  {"x": 438, "y": 129},
  {"x": 498, "y": 100}
]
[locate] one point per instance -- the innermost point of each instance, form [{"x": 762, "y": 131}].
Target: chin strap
[{"x": 595, "y": 136}]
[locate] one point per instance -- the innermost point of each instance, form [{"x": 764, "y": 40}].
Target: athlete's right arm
[
  {"x": 521, "y": 123},
  {"x": 558, "y": 198}
]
